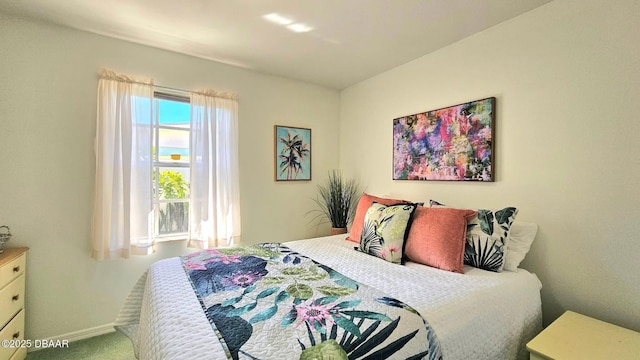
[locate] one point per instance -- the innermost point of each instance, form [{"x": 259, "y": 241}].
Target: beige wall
[
  {"x": 48, "y": 88},
  {"x": 566, "y": 77}
]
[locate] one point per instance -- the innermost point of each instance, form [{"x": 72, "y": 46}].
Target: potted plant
[{"x": 337, "y": 200}]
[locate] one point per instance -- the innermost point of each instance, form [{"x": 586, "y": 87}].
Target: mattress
[{"x": 475, "y": 315}]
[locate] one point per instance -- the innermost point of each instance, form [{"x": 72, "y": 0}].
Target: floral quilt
[{"x": 266, "y": 301}]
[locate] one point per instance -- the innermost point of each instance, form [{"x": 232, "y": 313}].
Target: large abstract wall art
[{"x": 453, "y": 143}]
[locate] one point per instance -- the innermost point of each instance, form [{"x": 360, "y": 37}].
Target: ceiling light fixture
[
  {"x": 278, "y": 19},
  {"x": 287, "y": 22},
  {"x": 299, "y": 27}
]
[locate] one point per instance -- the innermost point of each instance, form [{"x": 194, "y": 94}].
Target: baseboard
[{"x": 83, "y": 334}]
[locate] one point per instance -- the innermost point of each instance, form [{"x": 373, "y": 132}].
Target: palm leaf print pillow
[
  {"x": 487, "y": 235},
  {"x": 385, "y": 230}
]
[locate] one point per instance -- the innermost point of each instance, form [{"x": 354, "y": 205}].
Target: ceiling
[{"x": 342, "y": 41}]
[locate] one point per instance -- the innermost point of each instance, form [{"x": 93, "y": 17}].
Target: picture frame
[
  {"x": 454, "y": 143},
  {"x": 292, "y": 158}
]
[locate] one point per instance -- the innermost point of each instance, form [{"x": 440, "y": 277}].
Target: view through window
[{"x": 171, "y": 172}]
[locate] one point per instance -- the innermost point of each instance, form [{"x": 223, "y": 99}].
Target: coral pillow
[
  {"x": 437, "y": 237},
  {"x": 361, "y": 211}
]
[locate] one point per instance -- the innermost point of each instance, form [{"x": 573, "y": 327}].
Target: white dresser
[{"x": 12, "y": 274}]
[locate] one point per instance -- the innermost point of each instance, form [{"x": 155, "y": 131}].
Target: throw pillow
[
  {"x": 521, "y": 237},
  {"x": 385, "y": 229},
  {"x": 437, "y": 237},
  {"x": 361, "y": 210},
  {"x": 487, "y": 235}
]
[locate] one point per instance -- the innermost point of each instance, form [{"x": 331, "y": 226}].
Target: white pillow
[{"x": 521, "y": 236}]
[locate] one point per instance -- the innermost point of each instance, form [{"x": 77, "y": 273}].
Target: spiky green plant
[{"x": 337, "y": 200}]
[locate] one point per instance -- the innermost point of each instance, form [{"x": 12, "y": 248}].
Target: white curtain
[
  {"x": 214, "y": 211},
  {"x": 123, "y": 207}
]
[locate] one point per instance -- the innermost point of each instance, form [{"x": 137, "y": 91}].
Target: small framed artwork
[
  {"x": 292, "y": 153},
  {"x": 455, "y": 143}
]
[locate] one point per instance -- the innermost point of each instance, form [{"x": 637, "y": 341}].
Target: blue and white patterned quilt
[{"x": 267, "y": 301}]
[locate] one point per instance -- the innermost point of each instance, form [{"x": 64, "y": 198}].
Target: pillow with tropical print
[
  {"x": 385, "y": 230},
  {"x": 487, "y": 235}
]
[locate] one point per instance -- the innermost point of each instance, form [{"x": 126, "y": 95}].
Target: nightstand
[
  {"x": 575, "y": 336},
  {"x": 12, "y": 266}
]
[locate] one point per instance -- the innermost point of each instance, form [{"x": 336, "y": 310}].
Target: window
[
  {"x": 171, "y": 166},
  {"x": 166, "y": 167}
]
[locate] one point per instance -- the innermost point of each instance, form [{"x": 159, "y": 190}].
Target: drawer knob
[
  {"x": 16, "y": 335},
  {"x": 15, "y": 297},
  {"x": 16, "y": 269}
]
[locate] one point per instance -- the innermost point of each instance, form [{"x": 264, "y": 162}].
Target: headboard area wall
[{"x": 565, "y": 79}]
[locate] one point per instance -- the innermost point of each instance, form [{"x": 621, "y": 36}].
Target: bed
[{"x": 475, "y": 315}]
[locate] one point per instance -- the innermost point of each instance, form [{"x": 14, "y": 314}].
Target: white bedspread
[{"x": 476, "y": 315}]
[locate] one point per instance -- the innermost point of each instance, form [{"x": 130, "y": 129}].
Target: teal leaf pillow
[
  {"x": 487, "y": 235},
  {"x": 385, "y": 230}
]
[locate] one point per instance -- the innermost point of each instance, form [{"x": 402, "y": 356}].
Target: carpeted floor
[{"x": 112, "y": 346}]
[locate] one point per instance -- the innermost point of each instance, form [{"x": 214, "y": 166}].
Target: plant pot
[{"x": 338, "y": 231}]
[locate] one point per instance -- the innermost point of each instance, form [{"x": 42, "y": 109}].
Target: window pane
[
  {"x": 174, "y": 146},
  {"x": 173, "y": 183},
  {"x": 174, "y": 113},
  {"x": 173, "y": 218}
]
